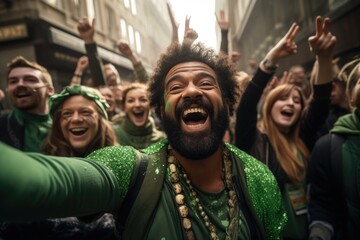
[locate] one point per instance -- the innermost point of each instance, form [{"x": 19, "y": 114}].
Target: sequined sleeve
[{"x": 120, "y": 160}]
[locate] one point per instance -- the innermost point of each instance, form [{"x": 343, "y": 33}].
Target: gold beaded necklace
[{"x": 184, "y": 210}]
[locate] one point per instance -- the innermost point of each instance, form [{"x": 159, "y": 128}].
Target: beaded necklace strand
[{"x": 173, "y": 165}]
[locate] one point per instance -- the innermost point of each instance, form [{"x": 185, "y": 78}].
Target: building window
[
  {"x": 55, "y": 3},
  {"x": 131, "y": 36},
  {"x": 75, "y": 8},
  {"x": 90, "y": 9},
  {"x": 138, "y": 42},
  {"x": 123, "y": 29},
  {"x": 127, "y": 3},
  {"x": 133, "y": 7},
  {"x": 110, "y": 22}
]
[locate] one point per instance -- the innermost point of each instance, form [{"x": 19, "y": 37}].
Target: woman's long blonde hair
[{"x": 288, "y": 145}]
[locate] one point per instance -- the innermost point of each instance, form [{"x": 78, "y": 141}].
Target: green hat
[{"x": 90, "y": 93}]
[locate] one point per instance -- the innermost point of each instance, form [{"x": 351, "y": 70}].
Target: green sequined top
[{"x": 36, "y": 186}]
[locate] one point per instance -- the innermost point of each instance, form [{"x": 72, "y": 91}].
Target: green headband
[{"x": 57, "y": 99}]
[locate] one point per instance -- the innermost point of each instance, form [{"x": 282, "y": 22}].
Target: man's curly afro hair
[{"x": 180, "y": 53}]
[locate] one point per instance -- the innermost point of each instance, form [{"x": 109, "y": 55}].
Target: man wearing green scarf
[
  {"x": 29, "y": 86},
  {"x": 335, "y": 174}
]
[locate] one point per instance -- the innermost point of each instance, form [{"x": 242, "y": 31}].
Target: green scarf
[
  {"x": 139, "y": 137},
  {"x": 36, "y": 128},
  {"x": 348, "y": 124}
]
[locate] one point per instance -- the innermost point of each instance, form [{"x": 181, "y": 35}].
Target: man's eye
[
  {"x": 206, "y": 83},
  {"x": 31, "y": 80},
  {"x": 12, "y": 81},
  {"x": 175, "y": 88}
]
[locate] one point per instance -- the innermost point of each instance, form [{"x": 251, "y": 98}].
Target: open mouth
[
  {"x": 22, "y": 94},
  {"x": 139, "y": 114},
  {"x": 194, "y": 116},
  {"x": 287, "y": 113},
  {"x": 78, "y": 131}
]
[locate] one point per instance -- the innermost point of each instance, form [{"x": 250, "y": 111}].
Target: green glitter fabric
[
  {"x": 261, "y": 184},
  {"x": 264, "y": 193},
  {"x": 59, "y": 187},
  {"x": 120, "y": 160}
]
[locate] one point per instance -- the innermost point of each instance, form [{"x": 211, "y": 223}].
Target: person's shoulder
[
  {"x": 156, "y": 147},
  {"x": 4, "y": 115},
  {"x": 250, "y": 163},
  {"x": 113, "y": 152}
]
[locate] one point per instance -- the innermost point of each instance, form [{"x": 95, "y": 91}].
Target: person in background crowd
[
  {"x": 82, "y": 64},
  {"x": 107, "y": 74},
  {"x": 298, "y": 77},
  {"x": 334, "y": 207},
  {"x": 108, "y": 94},
  {"x": 285, "y": 134},
  {"x": 101, "y": 74},
  {"x": 29, "y": 87},
  {"x": 80, "y": 123},
  {"x": 79, "y": 127},
  {"x": 140, "y": 72},
  {"x": 339, "y": 102},
  {"x": 193, "y": 92},
  {"x": 138, "y": 127}
]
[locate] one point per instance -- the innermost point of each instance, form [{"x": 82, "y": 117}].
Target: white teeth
[
  {"x": 78, "y": 129},
  {"x": 194, "y": 110}
]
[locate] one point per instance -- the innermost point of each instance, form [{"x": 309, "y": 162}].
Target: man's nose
[{"x": 192, "y": 91}]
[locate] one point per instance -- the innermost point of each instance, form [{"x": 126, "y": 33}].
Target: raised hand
[
  {"x": 174, "y": 24},
  {"x": 125, "y": 49},
  {"x": 190, "y": 35},
  {"x": 86, "y": 29},
  {"x": 322, "y": 44},
  {"x": 82, "y": 64},
  {"x": 222, "y": 22},
  {"x": 286, "y": 46}
]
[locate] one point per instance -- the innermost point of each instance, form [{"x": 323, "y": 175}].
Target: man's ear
[{"x": 50, "y": 91}]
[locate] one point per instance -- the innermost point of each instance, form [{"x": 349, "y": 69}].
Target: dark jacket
[{"x": 334, "y": 180}]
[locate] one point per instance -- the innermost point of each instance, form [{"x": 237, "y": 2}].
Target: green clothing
[
  {"x": 36, "y": 129},
  {"x": 129, "y": 135},
  {"x": 38, "y": 186},
  {"x": 349, "y": 125}
]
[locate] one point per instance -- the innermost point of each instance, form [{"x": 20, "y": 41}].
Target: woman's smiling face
[
  {"x": 79, "y": 122},
  {"x": 286, "y": 110},
  {"x": 137, "y": 106}
]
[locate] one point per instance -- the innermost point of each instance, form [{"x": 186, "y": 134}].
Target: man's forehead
[
  {"x": 20, "y": 71},
  {"x": 189, "y": 66}
]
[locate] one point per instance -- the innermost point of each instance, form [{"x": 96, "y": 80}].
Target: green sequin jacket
[{"x": 36, "y": 186}]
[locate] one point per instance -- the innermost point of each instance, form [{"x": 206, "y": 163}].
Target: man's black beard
[{"x": 197, "y": 145}]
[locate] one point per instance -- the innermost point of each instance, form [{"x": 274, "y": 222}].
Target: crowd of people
[{"x": 197, "y": 149}]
